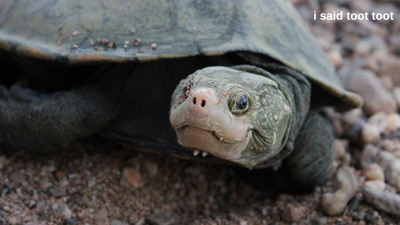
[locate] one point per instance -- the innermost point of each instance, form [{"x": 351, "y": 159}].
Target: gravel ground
[{"x": 99, "y": 182}]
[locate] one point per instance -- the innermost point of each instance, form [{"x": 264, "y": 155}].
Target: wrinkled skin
[{"x": 232, "y": 114}]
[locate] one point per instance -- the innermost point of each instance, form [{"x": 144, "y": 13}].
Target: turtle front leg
[
  {"x": 311, "y": 160},
  {"x": 46, "y": 122}
]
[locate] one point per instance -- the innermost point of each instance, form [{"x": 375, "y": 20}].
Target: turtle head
[{"x": 231, "y": 114}]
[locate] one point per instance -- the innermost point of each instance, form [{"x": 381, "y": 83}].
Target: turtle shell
[{"x": 85, "y": 31}]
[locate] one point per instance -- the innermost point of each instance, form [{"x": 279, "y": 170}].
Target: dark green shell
[{"x": 80, "y": 31}]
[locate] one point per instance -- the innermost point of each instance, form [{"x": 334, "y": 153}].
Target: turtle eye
[{"x": 239, "y": 104}]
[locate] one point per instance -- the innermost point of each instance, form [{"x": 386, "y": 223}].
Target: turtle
[{"x": 220, "y": 81}]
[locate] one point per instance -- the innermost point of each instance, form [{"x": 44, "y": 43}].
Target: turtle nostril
[
  {"x": 203, "y": 103},
  {"x": 194, "y": 101}
]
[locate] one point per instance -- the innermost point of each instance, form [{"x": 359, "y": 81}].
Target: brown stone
[
  {"x": 131, "y": 176},
  {"x": 60, "y": 175},
  {"x": 369, "y": 86},
  {"x": 375, "y": 184},
  {"x": 374, "y": 172},
  {"x": 293, "y": 213},
  {"x": 347, "y": 185}
]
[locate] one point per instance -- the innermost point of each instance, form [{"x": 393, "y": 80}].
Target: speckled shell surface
[{"x": 86, "y": 31}]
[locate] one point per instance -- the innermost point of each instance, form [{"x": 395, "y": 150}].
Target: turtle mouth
[
  {"x": 206, "y": 141},
  {"x": 214, "y": 133},
  {"x": 204, "y": 133}
]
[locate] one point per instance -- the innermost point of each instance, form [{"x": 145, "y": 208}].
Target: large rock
[{"x": 369, "y": 86}]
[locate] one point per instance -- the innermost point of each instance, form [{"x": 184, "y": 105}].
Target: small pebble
[
  {"x": 152, "y": 168},
  {"x": 354, "y": 134},
  {"x": 354, "y": 203},
  {"x": 75, "y": 33},
  {"x": 390, "y": 65},
  {"x": 396, "y": 93},
  {"x": 353, "y": 116},
  {"x": 141, "y": 221},
  {"x": 264, "y": 211},
  {"x": 154, "y": 46},
  {"x": 357, "y": 216},
  {"x": 346, "y": 160},
  {"x": 375, "y": 185},
  {"x": 379, "y": 120},
  {"x": 397, "y": 153},
  {"x": 243, "y": 222},
  {"x": 104, "y": 41},
  {"x": 112, "y": 44},
  {"x": 395, "y": 42},
  {"x": 374, "y": 172},
  {"x": 371, "y": 64},
  {"x": 338, "y": 127},
  {"x": 319, "y": 221},
  {"x": 132, "y": 176},
  {"x": 117, "y": 222},
  {"x": 137, "y": 41},
  {"x": 160, "y": 219},
  {"x": 369, "y": 218},
  {"x": 12, "y": 221},
  {"x": 335, "y": 56},
  {"x": 91, "y": 182},
  {"x": 370, "y": 134},
  {"x": 16, "y": 178},
  {"x": 60, "y": 175},
  {"x": 58, "y": 192},
  {"x": 340, "y": 147},
  {"x": 388, "y": 145},
  {"x": 293, "y": 213},
  {"x": 32, "y": 204},
  {"x": 393, "y": 122},
  {"x": 369, "y": 155},
  {"x": 40, "y": 205},
  {"x": 102, "y": 214},
  {"x": 363, "y": 47},
  {"x": 360, "y": 5},
  {"x": 391, "y": 165},
  {"x": 387, "y": 82},
  {"x": 133, "y": 219},
  {"x": 71, "y": 221}
]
